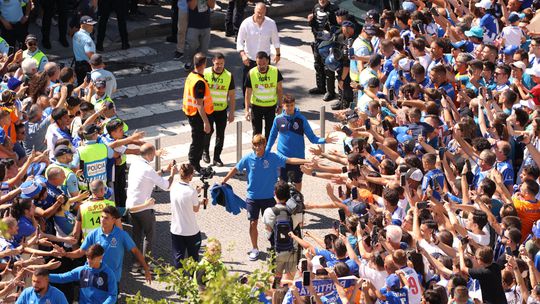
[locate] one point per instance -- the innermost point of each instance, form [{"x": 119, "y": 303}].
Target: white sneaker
[{"x": 253, "y": 254}]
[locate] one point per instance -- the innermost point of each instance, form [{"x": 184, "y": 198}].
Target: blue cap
[
  {"x": 514, "y": 17},
  {"x": 403, "y": 137},
  {"x": 510, "y": 50},
  {"x": 459, "y": 44},
  {"x": 347, "y": 23},
  {"x": 392, "y": 282},
  {"x": 13, "y": 83},
  {"x": 360, "y": 209},
  {"x": 409, "y": 6},
  {"x": 476, "y": 31},
  {"x": 30, "y": 188}
]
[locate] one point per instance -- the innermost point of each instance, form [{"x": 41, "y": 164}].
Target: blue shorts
[
  {"x": 253, "y": 207},
  {"x": 284, "y": 173}
]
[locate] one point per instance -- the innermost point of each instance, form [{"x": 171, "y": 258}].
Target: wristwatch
[{"x": 313, "y": 173}]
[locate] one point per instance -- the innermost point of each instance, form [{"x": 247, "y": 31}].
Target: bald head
[
  {"x": 259, "y": 12},
  {"x": 97, "y": 187},
  {"x": 148, "y": 151}
]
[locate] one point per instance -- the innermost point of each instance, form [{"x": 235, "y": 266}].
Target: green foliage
[{"x": 223, "y": 287}]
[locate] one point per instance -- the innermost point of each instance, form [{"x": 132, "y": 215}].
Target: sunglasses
[{"x": 31, "y": 43}]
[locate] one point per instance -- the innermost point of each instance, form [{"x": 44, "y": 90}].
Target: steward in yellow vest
[
  {"x": 33, "y": 52},
  {"x": 89, "y": 216}
]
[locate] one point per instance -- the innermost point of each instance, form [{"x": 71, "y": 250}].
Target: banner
[{"x": 325, "y": 286}]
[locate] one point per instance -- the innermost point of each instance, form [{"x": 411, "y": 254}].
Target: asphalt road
[{"x": 150, "y": 87}]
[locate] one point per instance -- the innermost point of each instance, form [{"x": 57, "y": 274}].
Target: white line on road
[{"x": 120, "y": 55}]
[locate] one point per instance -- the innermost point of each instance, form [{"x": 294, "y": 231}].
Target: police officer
[
  {"x": 105, "y": 7},
  {"x": 264, "y": 94},
  {"x": 50, "y": 7},
  {"x": 63, "y": 156},
  {"x": 100, "y": 95},
  {"x": 94, "y": 156},
  {"x": 221, "y": 84},
  {"x": 197, "y": 105},
  {"x": 33, "y": 52},
  {"x": 321, "y": 20},
  {"x": 88, "y": 217},
  {"x": 83, "y": 48},
  {"x": 344, "y": 39}
]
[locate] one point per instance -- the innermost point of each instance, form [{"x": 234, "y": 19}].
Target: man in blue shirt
[
  {"x": 83, "y": 48},
  {"x": 41, "y": 291},
  {"x": 97, "y": 280},
  {"x": 262, "y": 174},
  {"x": 115, "y": 241},
  {"x": 504, "y": 163},
  {"x": 14, "y": 18},
  {"x": 487, "y": 22},
  {"x": 291, "y": 126},
  {"x": 434, "y": 177}
]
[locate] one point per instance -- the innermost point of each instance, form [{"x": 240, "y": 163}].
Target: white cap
[
  {"x": 486, "y": 4},
  {"x": 415, "y": 174},
  {"x": 405, "y": 64},
  {"x": 519, "y": 65},
  {"x": 534, "y": 71},
  {"x": 527, "y": 103},
  {"x": 316, "y": 263}
]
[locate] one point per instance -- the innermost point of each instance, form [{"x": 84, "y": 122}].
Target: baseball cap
[
  {"x": 392, "y": 281},
  {"x": 100, "y": 83},
  {"x": 347, "y": 23},
  {"x": 91, "y": 129},
  {"x": 13, "y": 83},
  {"x": 62, "y": 150},
  {"x": 459, "y": 44},
  {"x": 510, "y": 50},
  {"x": 485, "y": 4},
  {"x": 409, "y": 6},
  {"x": 405, "y": 64},
  {"x": 96, "y": 59},
  {"x": 360, "y": 209},
  {"x": 534, "y": 71},
  {"x": 514, "y": 17},
  {"x": 527, "y": 104},
  {"x": 519, "y": 65},
  {"x": 403, "y": 137},
  {"x": 30, "y": 37},
  {"x": 30, "y": 188},
  {"x": 415, "y": 174},
  {"x": 87, "y": 20},
  {"x": 372, "y": 14},
  {"x": 370, "y": 29},
  {"x": 476, "y": 31},
  {"x": 342, "y": 12}
]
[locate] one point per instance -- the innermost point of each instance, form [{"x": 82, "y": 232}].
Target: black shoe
[
  {"x": 171, "y": 39},
  {"x": 329, "y": 96},
  {"x": 177, "y": 55},
  {"x": 46, "y": 44},
  {"x": 338, "y": 105},
  {"x": 99, "y": 47},
  {"x": 206, "y": 157},
  {"x": 188, "y": 67},
  {"x": 218, "y": 163},
  {"x": 64, "y": 42},
  {"x": 317, "y": 91},
  {"x": 125, "y": 45},
  {"x": 229, "y": 34}
]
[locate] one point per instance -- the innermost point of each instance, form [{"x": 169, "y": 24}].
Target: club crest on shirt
[
  {"x": 113, "y": 242},
  {"x": 266, "y": 164},
  {"x": 295, "y": 125},
  {"x": 100, "y": 281}
]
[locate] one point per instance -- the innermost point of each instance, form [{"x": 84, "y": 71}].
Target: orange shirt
[
  {"x": 10, "y": 129},
  {"x": 528, "y": 212}
]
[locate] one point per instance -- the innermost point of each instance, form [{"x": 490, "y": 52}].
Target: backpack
[{"x": 282, "y": 226}]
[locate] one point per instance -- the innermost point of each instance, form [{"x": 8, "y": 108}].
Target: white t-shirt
[
  {"x": 183, "y": 198},
  {"x": 377, "y": 278},
  {"x": 513, "y": 296},
  {"x": 424, "y": 60},
  {"x": 512, "y": 35}
]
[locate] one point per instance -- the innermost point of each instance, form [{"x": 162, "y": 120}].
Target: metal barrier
[
  {"x": 238, "y": 141},
  {"x": 157, "y": 144},
  {"x": 322, "y": 123}
]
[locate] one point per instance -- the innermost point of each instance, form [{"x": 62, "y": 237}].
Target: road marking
[
  {"x": 296, "y": 55},
  {"x": 160, "y": 67},
  {"x": 121, "y": 55}
]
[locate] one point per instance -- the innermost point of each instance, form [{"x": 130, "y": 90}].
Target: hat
[
  {"x": 392, "y": 281},
  {"x": 61, "y": 150},
  {"x": 510, "y": 50},
  {"x": 405, "y": 64},
  {"x": 30, "y": 188},
  {"x": 87, "y": 20},
  {"x": 30, "y": 37},
  {"x": 347, "y": 23},
  {"x": 13, "y": 83},
  {"x": 36, "y": 169},
  {"x": 96, "y": 59},
  {"x": 403, "y": 137},
  {"x": 91, "y": 129},
  {"x": 415, "y": 174},
  {"x": 359, "y": 209},
  {"x": 485, "y": 4},
  {"x": 409, "y": 6},
  {"x": 342, "y": 12},
  {"x": 527, "y": 103},
  {"x": 370, "y": 29},
  {"x": 534, "y": 71},
  {"x": 459, "y": 44},
  {"x": 519, "y": 65},
  {"x": 372, "y": 14},
  {"x": 476, "y": 31},
  {"x": 514, "y": 17},
  {"x": 100, "y": 83}
]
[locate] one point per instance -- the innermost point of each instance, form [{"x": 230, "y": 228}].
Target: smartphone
[
  {"x": 520, "y": 138},
  {"x": 346, "y": 130},
  {"x": 336, "y": 225},
  {"x": 344, "y": 170},
  {"x": 303, "y": 265},
  {"x": 341, "y": 213},
  {"x": 434, "y": 12},
  {"x": 468, "y": 164},
  {"x": 441, "y": 152},
  {"x": 11, "y": 50},
  {"x": 368, "y": 124},
  {"x": 88, "y": 77},
  {"x": 342, "y": 230},
  {"x": 306, "y": 278},
  {"x": 422, "y": 205},
  {"x": 402, "y": 180},
  {"x": 489, "y": 94},
  {"x": 340, "y": 192},
  {"x": 508, "y": 250},
  {"x": 391, "y": 94},
  {"x": 354, "y": 193}
]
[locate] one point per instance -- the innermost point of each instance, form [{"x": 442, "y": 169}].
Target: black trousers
[
  {"x": 245, "y": 73},
  {"x": 182, "y": 244},
  {"x": 235, "y": 15},
  {"x": 16, "y": 34},
  {"x": 174, "y": 18},
  {"x": 50, "y": 7},
  {"x": 218, "y": 122},
  {"x": 197, "y": 145},
  {"x": 105, "y": 7},
  {"x": 133, "y": 6},
  {"x": 81, "y": 68},
  {"x": 325, "y": 79},
  {"x": 120, "y": 194},
  {"x": 347, "y": 93},
  {"x": 258, "y": 114}
]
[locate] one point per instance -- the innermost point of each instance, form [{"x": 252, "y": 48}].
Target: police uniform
[
  {"x": 346, "y": 93},
  {"x": 264, "y": 98},
  {"x": 324, "y": 18},
  {"x": 39, "y": 57},
  {"x": 220, "y": 85},
  {"x": 195, "y": 88},
  {"x": 82, "y": 43},
  {"x": 105, "y": 7},
  {"x": 94, "y": 157}
]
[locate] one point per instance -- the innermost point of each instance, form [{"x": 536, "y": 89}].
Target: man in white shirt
[
  {"x": 256, "y": 34},
  {"x": 141, "y": 181},
  {"x": 99, "y": 73}
]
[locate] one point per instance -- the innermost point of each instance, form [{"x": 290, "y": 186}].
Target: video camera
[
  {"x": 295, "y": 204},
  {"x": 206, "y": 174}
]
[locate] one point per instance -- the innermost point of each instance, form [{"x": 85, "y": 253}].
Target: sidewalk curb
[{"x": 217, "y": 19}]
